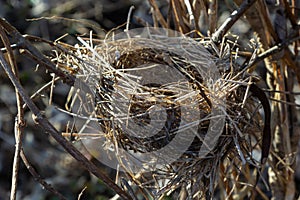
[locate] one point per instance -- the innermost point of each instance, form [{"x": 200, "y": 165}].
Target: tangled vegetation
[{"x": 185, "y": 107}]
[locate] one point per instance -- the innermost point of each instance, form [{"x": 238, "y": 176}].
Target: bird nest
[{"x": 167, "y": 110}]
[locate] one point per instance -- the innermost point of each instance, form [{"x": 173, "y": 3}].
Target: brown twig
[
  {"x": 48, "y": 127},
  {"x": 42, "y": 120},
  {"x": 38, "y": 92},
  {"x": 212, "y": 15},
  {"x": 19, "y": 119},
  {"x": 22, "y": 42},
  {"x": 235, "y": 15},
  {"x": 290, "y": 14},
  {"x": 177, "y": 18},
  {"x": 197, "y": 8},
  {"x": 157, "y": 13},
  {"x": 273, "y": 50},
  {"x": 38, "y": 178},
  {"x": 191, "y": 14},
  {"x": 16, "y": 162}
]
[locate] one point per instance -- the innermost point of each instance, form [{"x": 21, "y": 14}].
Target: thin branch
[
  {"x": 290, "y": 14},
  {"x": 4, "y": 49},
  {"x": 235, "y": 15},
  {"x": 22, "y": 42},
  {"x": 16, "y": 162},
  {"x": 212, "y": 15},
  {"x": 44, "y": 87},
  {"x": 276, "y": 49},
  {"x": 48, "y": 127},
  {"x": 285, "y": 102},
  {"x": 157, "y": 13},
  {"x": 191, "y": 14},
  {"x": 19, "y": 119},
  {"x": 271, "y": 51},
  {"x": 38, "y": 178},
  {"x": 176, "y": 16},
  {"x": 128, "y": 17}
]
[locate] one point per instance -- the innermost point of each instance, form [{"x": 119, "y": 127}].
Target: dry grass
[
  {"x": 117, "y": 70},
  {"x": 196, "y": 92}
]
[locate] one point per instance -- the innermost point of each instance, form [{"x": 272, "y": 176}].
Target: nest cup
[{"x": 165, "y": 109}]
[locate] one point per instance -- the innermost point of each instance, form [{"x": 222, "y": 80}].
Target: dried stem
[
  {"x": 235, "y": 15},
  {"x": 22, "y": 42},
  {"x": 212, "y": 15},
  {"x": 157, "y": 13},
  {"x": 18, "y": 121},
  {"x": 38, "y": 178},
  {"x": 42, "y": 120}
]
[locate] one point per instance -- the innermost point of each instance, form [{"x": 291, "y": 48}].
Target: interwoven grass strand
[{"x": 140, "y": 81}]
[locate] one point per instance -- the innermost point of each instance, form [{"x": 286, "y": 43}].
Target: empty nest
[{"x": 157, "y": 95}]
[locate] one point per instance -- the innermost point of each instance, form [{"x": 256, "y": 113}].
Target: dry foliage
[{"x": 255, "y": 153}]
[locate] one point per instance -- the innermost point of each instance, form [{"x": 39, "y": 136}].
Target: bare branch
[
  {"x": 48, "y": 127},
  {"x": 38, "y": 178},
  {"x": 235, "y": 15}
]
